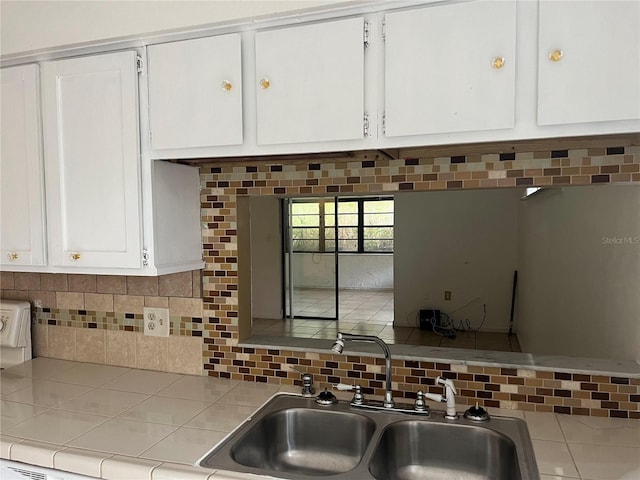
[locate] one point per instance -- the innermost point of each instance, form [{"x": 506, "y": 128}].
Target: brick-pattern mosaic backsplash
[
  {"x": 128, "y": 322},
  {"x": 508, "y": 388},
  {"x": 222, "y": 184}
]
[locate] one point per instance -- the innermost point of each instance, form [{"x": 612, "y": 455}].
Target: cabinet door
[
  {"x": 310, "y": 83},
  {"x": 22, "y": 236},
  {"x": 588, "y": 61},
  {"x": 90, "y": 108},
  {"x": 195, "y": 93},
  {"x": 450, "y": 68}
]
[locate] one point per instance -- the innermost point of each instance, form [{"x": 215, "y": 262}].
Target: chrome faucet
[{"x": 338, "y": 346}]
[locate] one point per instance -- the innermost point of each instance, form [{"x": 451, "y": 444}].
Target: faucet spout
[{"x": 338, "y": 346}]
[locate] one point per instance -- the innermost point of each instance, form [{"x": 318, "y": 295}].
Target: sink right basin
[{"x": 417, "y": 449}]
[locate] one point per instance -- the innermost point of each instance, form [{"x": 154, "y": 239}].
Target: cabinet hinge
[
  {"x": 365, "y": 125},
  {"x": 367, "y": 32},
  {"x": 139, "y": 63},
  {"x": 384, "y": 30},
  {"x": 384, "y": 123},
  {"x": 145, "y": 257}
]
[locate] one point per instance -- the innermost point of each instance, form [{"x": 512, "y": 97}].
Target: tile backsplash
[{"x": 98, "y": 318}]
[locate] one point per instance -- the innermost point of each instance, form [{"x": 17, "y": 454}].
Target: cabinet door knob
[
  {"x": 265, "y": 83},
  {"x": 226, "y": 85},
  {"x": 556, "y": 55},
  {"x": 75, "y": 256},
  {"x": 498, "y": 62},
  {"x": 12, "y": 256}
]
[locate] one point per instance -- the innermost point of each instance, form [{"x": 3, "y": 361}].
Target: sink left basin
[{"x": 295, "y": 437}]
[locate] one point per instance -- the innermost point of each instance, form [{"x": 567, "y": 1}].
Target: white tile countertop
[{"x": 114, "y": 423}]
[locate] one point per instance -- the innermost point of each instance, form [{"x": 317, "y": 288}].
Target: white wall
[
  {"x": 266, "y": 258},
  {"x": 370, "y": 271},
  {"x": 464, "y": 242},
  {"x": 578, "y": 291},
  {"x": 33, "y": 25}
]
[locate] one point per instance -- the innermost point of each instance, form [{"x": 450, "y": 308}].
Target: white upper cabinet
[
  {"x": 90, "y": 111},
  {"x": 195, "y": 93},
  {"x": 588, "y": 61},
  {"x": 310, "y": 83},
  {"x": 22, "y": 238},
  {"x": 450, "y": 68}
]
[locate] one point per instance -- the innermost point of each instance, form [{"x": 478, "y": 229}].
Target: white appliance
[{"x": 15, "y": 332}]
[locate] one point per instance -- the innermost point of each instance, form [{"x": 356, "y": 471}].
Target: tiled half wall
[{"x": 89, "y": 314}]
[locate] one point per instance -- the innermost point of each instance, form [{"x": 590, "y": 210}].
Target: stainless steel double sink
[{"x": 292, "y": 437}]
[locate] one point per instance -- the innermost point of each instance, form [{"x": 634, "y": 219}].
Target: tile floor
[
  {"x": 369, "y": 312},
  {"x": 112, "y": 429}
]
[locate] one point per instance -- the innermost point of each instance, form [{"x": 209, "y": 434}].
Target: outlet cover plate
[{"x": 156, "y": 321}]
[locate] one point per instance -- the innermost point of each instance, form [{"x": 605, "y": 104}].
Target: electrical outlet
[
  {"x": 447, "y": 295},
  {"x": 156, "y": 322}
]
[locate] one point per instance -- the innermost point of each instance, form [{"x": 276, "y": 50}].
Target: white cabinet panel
[
  {"x": 91, "y": 144},
  {"x": 195, "y": 93},
  {"x": 310, "y": 83},
  {"x": 22, "y": 236},
  {"x": 597, "y": 76},
  {"x": 450, "y": 68}
]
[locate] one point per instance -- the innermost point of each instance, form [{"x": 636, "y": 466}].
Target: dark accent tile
[
  {"x": 411, "y": 161},
  {"x": 619, "y": 414},
  {"x": 507, "y": 156},
  {"x": 196, "y": 333},
  {"x": 482, "y": 394},
  {"x": 223, "y": 184},
  {"x": 46, "y": 310},
  {"x": 443, "y": 366},
  {"x": 620, "y": 380},
  {"x": 559, "y": 153},
  {"x": 481, "y": 378},
  {"x": 509, "y": 372},
  {"x": 588, "y": 386},
  {"x": 459, "y": 159},
  {"x": 634, "y": 398},
  {"x": 353, "y": 179},
  {"x": 368, "y": 163},
  {"x": 92, "y": 325},
  {"x": 635, "y": 415},
  {"x": 411, "y": 364},
  {"x": 51, "y": 322},
  {"x": 279, "y": 190},
  {"x": 610, "y": 405},
  {"x": 82, "y": 312},
  {"x": 454, "y": 184},
  {"x": 216, "y": 170},
  {"x": 313, "y": 166},
  {"x": 406, "y": 186},
  {"x": 247, "y": 183},
  {"x": 333, "y": 188},
  {"x": 252, "y": 169},
  {"x": 615, "y": 151},
  {"x": 275, "y": 168},
  {"x": 129, "y": 315},
  {"x": 535, "y": 399},
  {"x": 450, "y": 375},
  {"x": 600, "y": 179},
  {"x": 559, "y": 409},
  {"x": 524, "y": 181},
  {"x": 562, "y": 393},
  {"x": 600, "y": 396}
]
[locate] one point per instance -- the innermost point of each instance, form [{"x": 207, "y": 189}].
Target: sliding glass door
[{"x": 311, "y": 258}]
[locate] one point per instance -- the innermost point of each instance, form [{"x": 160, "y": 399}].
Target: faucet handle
[
  {"x": 358, "y": 396},
  {"x": 420, "y": 405},
  {"x": 307, "y": 385}
]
